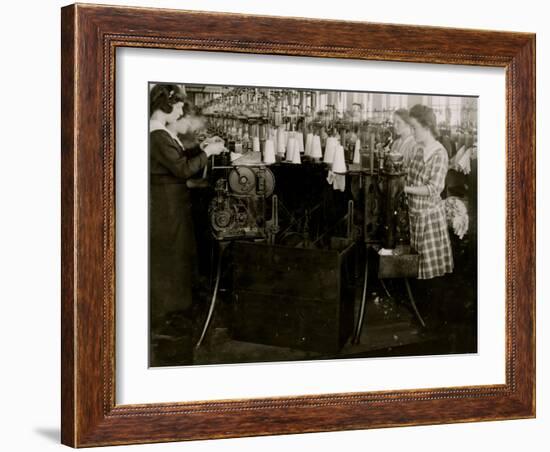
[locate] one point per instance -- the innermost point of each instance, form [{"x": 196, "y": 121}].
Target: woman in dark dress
[{"x": 172, "y": 247}]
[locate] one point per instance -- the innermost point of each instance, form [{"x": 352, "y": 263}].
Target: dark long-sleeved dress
[{"x": 172, "y": 247}]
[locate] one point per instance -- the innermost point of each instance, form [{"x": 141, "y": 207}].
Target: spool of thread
[
  {"x": 300, "y": 141},
  {"x": 273, "y": 137},
  {"x": 269, "y": 152},
  {"x": 316, "y": 151},
  {"x": 309, "y": 145},
  {"x": 291, "y": 148},
  {"x": 281, "y": 141},
  {"x": 256, "y": 144},
  {"x": 296, "y": 155},
  {"x": 339, "y": 162},
  {"x": 371, "y": 156},
  {"x": 330, "y": 148},
  {"x": 357, "y": 152},
  {"x": 292, "y": 134}
]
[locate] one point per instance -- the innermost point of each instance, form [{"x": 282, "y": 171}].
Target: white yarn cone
[
  {"x": 274, "y": 138},
  {"x": 300, "y": 141},
  {"x": 316, "y": 151},
  {"x": 291, "y": 148},
  {"x": 288, "y": 136},
  {"x": 357, "y": 152},
  {"x": 339, "y": 162},
  {"x": 269, "y": 152},
  {"x": 330, "y": 149},
  {"x": 309, "y": 144},
  {"x": 296, "y": 156},
  {"x": 256, "y": 144},
  {"x": 281, "y": 141}
]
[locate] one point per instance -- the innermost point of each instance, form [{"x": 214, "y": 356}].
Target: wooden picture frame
[{"x": 90, "y": 36}]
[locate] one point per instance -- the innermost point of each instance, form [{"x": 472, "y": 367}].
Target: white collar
[
  {"x": 155, "y": 124},
  {"x": 428, "y": 151}
]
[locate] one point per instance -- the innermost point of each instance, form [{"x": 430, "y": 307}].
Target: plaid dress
[
  {"x": 405, "y": 147},
  {"x": 428, "y": 222}
]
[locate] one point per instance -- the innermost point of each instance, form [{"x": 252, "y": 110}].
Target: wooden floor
[{"x": 390, "y": 329}]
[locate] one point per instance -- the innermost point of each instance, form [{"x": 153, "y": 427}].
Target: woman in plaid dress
[{"x": 425, "y": 182}]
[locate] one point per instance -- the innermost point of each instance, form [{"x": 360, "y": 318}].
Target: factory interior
[{"x": 302, "y": 230}]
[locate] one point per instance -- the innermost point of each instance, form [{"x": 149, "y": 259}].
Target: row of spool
[
  {"x": 288, "y": 125},
  {"x": 291, "y": 146}
]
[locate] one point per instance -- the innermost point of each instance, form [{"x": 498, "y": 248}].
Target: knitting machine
[
  {"x": 238, "y": 211},
  {"x": 310, "y": 236},
  {"x": 386, "y": 211},
  {"x": 239, "y": 208}
]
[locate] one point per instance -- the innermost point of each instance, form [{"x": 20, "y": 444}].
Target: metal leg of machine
[
  {"x": 223, "y": 246},
  {"x": 411, "y": 298},
  {"x": 385, "y": 288},
  {"x": 359, "y": 326}
]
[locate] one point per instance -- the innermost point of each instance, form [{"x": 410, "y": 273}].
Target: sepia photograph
[{"x": 304, "y": 224}]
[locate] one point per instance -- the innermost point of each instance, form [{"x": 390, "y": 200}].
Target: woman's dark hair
[
  {"x": 164, "y": 97},
  {"x": 403, "y": 113},
  {"x": 425, "y": 116}
]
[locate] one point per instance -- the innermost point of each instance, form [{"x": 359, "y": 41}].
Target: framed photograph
[{"x": 282, "y": 225}]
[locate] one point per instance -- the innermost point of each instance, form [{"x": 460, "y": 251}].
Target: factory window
[
  {"x": 446, "y": 109},
  {"x": 439, "y": 105},
  {"x": 455, "y": 108}
]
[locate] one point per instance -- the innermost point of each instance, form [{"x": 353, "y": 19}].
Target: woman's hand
[
  {"x": 210, "y": 140},
  {"x": 214, "y": 148}
]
